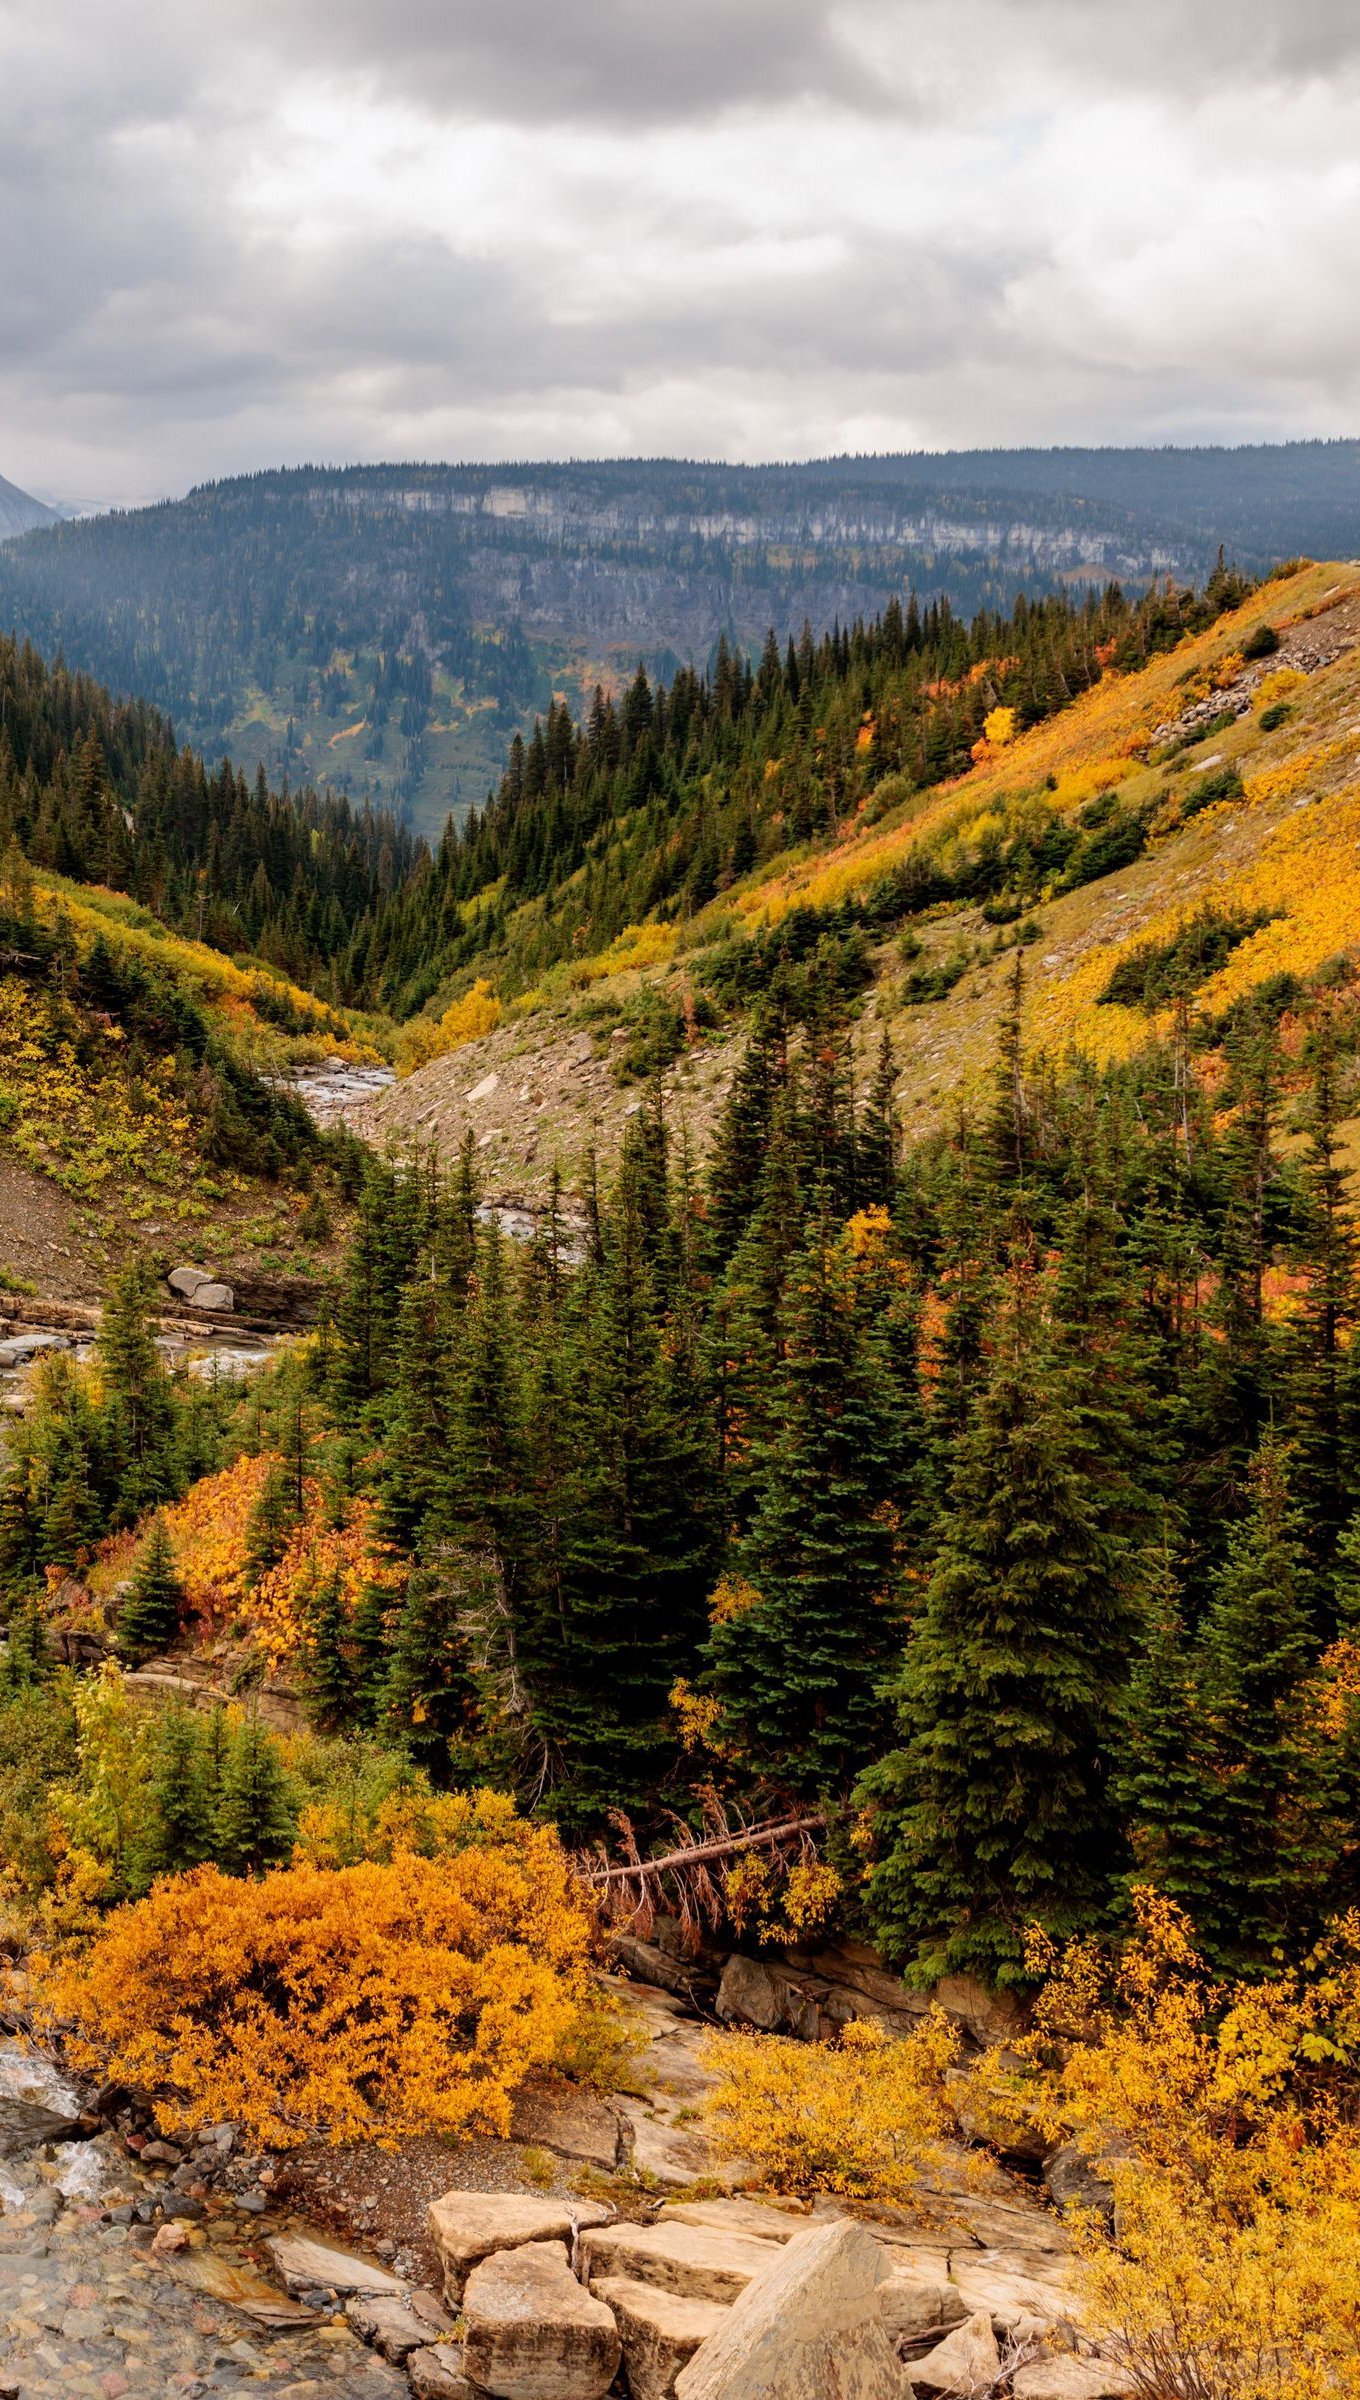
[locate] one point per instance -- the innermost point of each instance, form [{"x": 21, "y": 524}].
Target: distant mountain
[
  {"x": 20, "y": 513},
  {"x": 388, "y": 629}
]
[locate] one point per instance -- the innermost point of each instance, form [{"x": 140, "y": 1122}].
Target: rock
[
  {"x": 1076, "y": 2182},
  {"x": 186, "y": 1280},
  {"x": 216, "y": 1296},
  {"x": 690, "y": 2259},
  {"x": 677, "y": 2155},
  {"x": 989, "y": 2017},
  {"x": 809, "y": 2329},
  {"x": 467, "y": 2227},
  {"x": 24, "y": 2125},
  {"x": 1018, "y": 2294},
  {"x": 174, "y": 2236},
  {"x": 532, "y": 2333},
  {"x": 437, "y": 2374},
  {"x": 23, "y": 1346},
  {"x": 966, "y": 2357},
  {"x": 648, "y": 1963},
  {"x": 483, "y": 1090},
  {"x": 918, "y": 2310},
  {"x": 1009, "y": 2129},
  {"x": 389, "y": 2325},
  {"x": 755, "y": 2217},
  {"x": 562, "y": 2117},
  {"x": 305, "y": 2265},
  {"x": 660, "y": 2332},
  {"x": 218, "y": 2279},
  {"x": 1067, "y": 2378},
  {"x": 749, "y": 1994}
]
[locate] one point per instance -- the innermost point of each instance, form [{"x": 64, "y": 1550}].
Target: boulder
[
  {"x": 437, "y": 2374},
  {"x": 186, "y": 1280},
  {"x": 918, "y": 2310},
  {"x": 754, "y": 2217},
  {"x": 532, "y": 2333},
  {"x": 692, "y": 2260},
  {"x": 966, "y": 2357},
  {"x": 467, "y": 2227},
  {"x": 24, "y": 2125},
  {"x": 308, "y": 2266},
  {"x": 219, "y": 1297},
  {"x": 987, "y": 2017},
  {"x": 809, "y": 2329},
  {"x": 23, "y": 1346},
  {"x": 1067, "y": 2378},
  {"x": 389, "y": 2325},
  {"x": 660, "y": 2332},
  {"x": 750, "y": 1994},
  {"x": 562, "y": 2117},
  {"x": 1076, "y": 2182}
]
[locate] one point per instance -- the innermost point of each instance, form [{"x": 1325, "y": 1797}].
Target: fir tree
[
  {"x": 328, "y": 1670},
  {"x": 151, "y": 1614},
  {"x": 798, "y": 1651},
  {"x": 996, "y": 1812},
  {"x": 180, "y": 1832},
  {"x": 256, "y": 1823},
  {"x": 429, "y": 1701}
]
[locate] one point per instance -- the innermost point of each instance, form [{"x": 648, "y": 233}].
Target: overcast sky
[{"x": 263, "y": 231}]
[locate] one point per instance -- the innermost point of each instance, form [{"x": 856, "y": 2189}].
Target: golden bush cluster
[
  {"x": 862, "y": 2116},
  {"x": 369, "y": 2001}
]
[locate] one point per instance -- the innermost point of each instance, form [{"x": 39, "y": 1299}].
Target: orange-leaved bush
[{"x": 369, "y": 2001}]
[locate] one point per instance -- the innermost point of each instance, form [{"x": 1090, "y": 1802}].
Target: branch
[{"x": 696, "y": 1852}]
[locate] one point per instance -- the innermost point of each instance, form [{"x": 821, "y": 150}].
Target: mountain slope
[
  {"x": 20, "y": 513},
  {"x": 388, "y": 628},
  {"x": 1207, "y": 790}
]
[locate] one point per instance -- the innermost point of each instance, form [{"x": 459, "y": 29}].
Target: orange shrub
[{"x": 360, "y": 2002}]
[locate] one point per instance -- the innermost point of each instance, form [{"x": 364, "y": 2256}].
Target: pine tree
[
  {"x": 151, "y": 1613},
  {"x": 1163, "y": 1783},
  {"x": 272, "y": 1522},
  {"x": 179, "y": 1833},
  {"x": 995, "y": 1812},
  {"x": 328, "y": 1670},
  {"x": 1255, "y": 1654},
  {"x": 798, "y": 1652},
  {"x": 256, "y": 1823},
  {"x": 429, "y": 1701}
]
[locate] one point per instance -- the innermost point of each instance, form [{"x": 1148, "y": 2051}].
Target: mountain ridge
[{"x": 21, "y": 513}]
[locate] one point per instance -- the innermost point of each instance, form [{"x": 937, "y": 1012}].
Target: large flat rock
[
  {"x": 919, "y": 2309},
  {"x": 757, "y": 2218},
  {"x": 692, "y": 2260},
  {"x": 467, "y": 2227},
  {"x": 561, "y": 2117},
  {"x": 809, "y": 2329},
  {"x": 530, "y": 2332},
  {"x": 1066, "y": 2378},
  {"x": 1016, "y": 2291},
  {"x": 660, "y": 2332}
]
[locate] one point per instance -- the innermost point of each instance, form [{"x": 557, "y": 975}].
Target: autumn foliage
[
  {"x": 374, "y": 2000},
  {"x": 862, "y": 2116}
]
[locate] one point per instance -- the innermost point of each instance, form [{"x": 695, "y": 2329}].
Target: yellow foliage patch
[
  {"x": 371, "y": 2001},
  {"x": 465, "y": 1020},
  {"x": 862, "y": 2116}
]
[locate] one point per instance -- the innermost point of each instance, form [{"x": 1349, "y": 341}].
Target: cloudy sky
[{"x": 274, "y": 230}]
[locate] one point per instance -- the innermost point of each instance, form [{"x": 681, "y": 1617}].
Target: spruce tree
[
  {"x": 272, "y": 1521},
  {"x": 995, "y": 1812},
  {"x": 179, "y": 1831},
  {"x": 429, "y": 1701},
  {"x": 798, "y": 1652},
  {"x": 256, "y": 1823},
  {"x": 1267, "y": 1799},
  {"x": 328, "y": 1670},
  {"x": 151, "y": 1613},
  {"x": 1164, "y": 1776}
]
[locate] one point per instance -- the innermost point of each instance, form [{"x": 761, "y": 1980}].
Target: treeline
[
  {"x": 98, "y": 790},
  {"x": 658, "y": 801}
]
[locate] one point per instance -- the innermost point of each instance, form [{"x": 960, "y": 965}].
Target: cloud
[{"x": 765, "y": 227}]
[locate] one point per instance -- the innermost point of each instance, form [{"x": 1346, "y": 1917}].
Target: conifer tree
[
  {"x": 151, "y": 1614},
  {"x": 1164, "y": 1778},
  {"x": 256, "y": 1823},
  {"x": 995, "y": 1812},
  {"x": 1266, "y": 1793},
  {"x": 328, "y": 1669},
  {"x": 429, "y": 1701},
  {"x": 272, "y": 1521},
  {"x": 179, "y": 1832},
  {"x": 807, "y": 1618}
]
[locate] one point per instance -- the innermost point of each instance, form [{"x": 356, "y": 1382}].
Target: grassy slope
[
  {"x": 1292, "y": 844},
  {"x": 99, "y": 1129}
]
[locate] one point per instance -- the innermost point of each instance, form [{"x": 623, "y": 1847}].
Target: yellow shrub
[
  {"x": 862, "y": 2116},
  {"x": 1224, "y": 2117},
  {"x": 465, "y": 1020},
  {"x": 998, "y": 727},
  {"x": 370, "y": 2001},
  {"x": 1279, "y": 685}
]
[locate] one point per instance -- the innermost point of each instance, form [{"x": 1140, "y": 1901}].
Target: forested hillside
[{"x": 385, "y": 630}]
